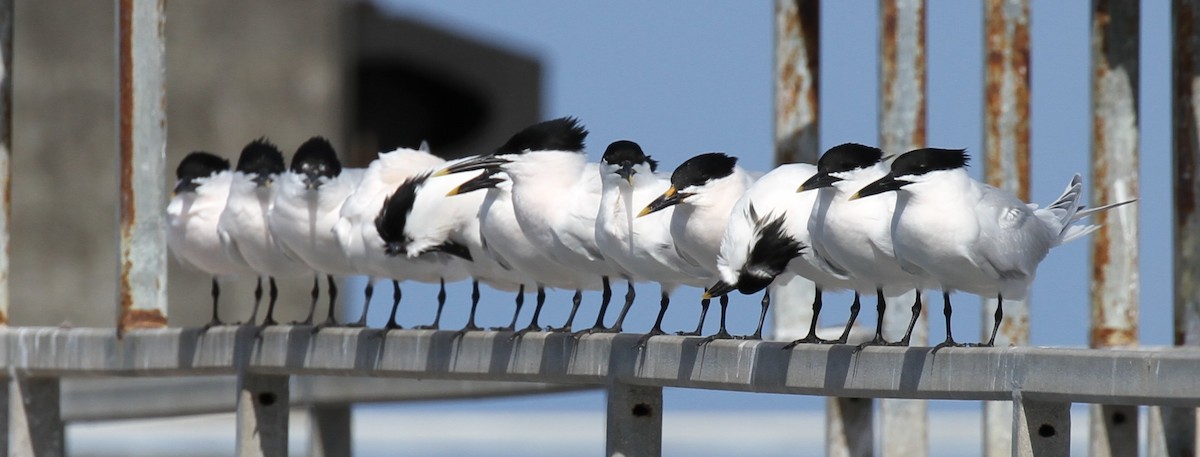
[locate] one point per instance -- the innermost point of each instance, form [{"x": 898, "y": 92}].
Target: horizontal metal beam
[{"x": 1136, "y": 376}]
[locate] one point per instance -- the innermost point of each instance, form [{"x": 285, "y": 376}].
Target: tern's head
[
  {"x": 316, "y": 161},
  {"x": 195, "y": 166},
  {"x": 692, "y": 177},
  {"x": 405, "y": 233},
  {"x": 562, "y": 134},
  {"x": 625, "y": 158},
  {"x": 916, "y": 166},
  {"x": 262, "y": 160},
  {"x": 840, "y": 163}
]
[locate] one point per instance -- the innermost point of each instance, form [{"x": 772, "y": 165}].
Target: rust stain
[
  {"x": 918, "y": 134},
  {"x": 1185, "y": 138},
  {"x": 810, "y": 27},
  {"x": 141, "y": 319},
  {"x": 127, "y": 95},
  {"x": 889, "y": 54}
]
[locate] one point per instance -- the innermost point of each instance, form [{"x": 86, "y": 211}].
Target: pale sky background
[{"x": 682, "y": 78}]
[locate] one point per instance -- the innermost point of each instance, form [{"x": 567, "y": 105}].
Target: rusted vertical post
[
  {"x": 1006, "y": 148},
  {"x": 1173, "y": 430},
  {"x": 6, "y": 73},
  {"x": 142, "y": 133},
  {"x": 1115, "y": 284},
  {"x": 902, "y": 128}
]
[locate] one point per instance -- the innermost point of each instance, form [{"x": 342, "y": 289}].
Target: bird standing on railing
[
  {"x": 243, "y": 226},
  {"x": 704, "y": 189},
  {"x": 555, "y": 195},
  {"x": 961, "y": 234},
  {"x": 359, "y": 237},
  {"x": 854, "y": 237},
  {"x": 419, "y": 218},
  {"x": 307, "y": 204},
  {"x": 201, "y": 191},
  {"x": 643, "y": 248},
  {"x": 767, "y": 241}
]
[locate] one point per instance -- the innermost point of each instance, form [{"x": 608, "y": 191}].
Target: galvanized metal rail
[{"x": 1040, "y": 381}]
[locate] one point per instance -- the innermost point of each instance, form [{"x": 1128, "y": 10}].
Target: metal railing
[{"x": 1032, "y": 387}]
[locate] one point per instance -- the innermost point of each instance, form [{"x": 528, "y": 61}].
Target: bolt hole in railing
[{"x": 644, "y": 402}]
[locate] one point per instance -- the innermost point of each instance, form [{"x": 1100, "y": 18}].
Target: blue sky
[{"x": 683, "y": 78}]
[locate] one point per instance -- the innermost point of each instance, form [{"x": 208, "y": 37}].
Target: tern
[
  {"x": 359, "y": 237},
  {"x": 854, "y": 237},
  {"x": 704, "y": 188},
  {"x": 767, "y": 241},
  {"x": 555, "y": 198},
  {"x": 305, "y": 208},
  {"x": 961, "y": 234},
  {"x": 644, "y": 249},
  {"x": 243, "y": 227},
  {"x": 201, "y": 190}
]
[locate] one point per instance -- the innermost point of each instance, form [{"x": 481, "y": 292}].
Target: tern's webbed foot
[
  {"x": 597, "y": 329},
  {"x": 949, "y": 343},
  {"x": 683, "y": 333},
  {"x": 641, "y": 342},
  {"x": 721, "y": 335},
  {"x": 522, "y": 332},
  {"x": 810, "y": 339},
  {"x": 877, "y": 341},
  {"x": 427, "y": 327},
  {"x": 506, "y": 328},
  {"x": 563, "y": 329}
]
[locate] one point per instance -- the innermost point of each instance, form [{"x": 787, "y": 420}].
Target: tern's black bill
[
  {"x": 477, "y": 163},
  {"x": 486, "y": 180},
  {"x": 626, "y": 172},
  {"x": 312, "y": 181},
  {"x": 262, "y": 180},
  {"x": 666, "y": 200},
  {"x": 887, "y": 183},
  {"x": 818, "y": 181},
  {"x": 186, "y": 185},
  {"x": 719, "y": 289}
]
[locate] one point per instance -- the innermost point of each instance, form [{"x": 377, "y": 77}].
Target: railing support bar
[
  {"x": 850, "y": 427},
  {"x": 330, "y": 431},
  {"x": 634, "y": 421},
  {"x": 262, "y": 416},
  {"x": 1040, "y": 429},
  {"x": 36, "y": 427}
]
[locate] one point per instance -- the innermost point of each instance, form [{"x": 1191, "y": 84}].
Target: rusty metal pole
[
  {"x": 1173, "y": 430},
  {"x": 902, "y": 128},
  {"x": 848, "y": 425},
  {"x": 6, "y": 73},
  {"x": 1115, "y": 283},
  {"x": 142, "y": 133},
  {"x": 1006, "y": 149}
]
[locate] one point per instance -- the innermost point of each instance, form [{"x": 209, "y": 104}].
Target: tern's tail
[{"x": 1066, "y": 211}]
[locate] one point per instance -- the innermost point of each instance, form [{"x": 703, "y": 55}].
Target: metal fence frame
[{"x": 1036, "y": 384}]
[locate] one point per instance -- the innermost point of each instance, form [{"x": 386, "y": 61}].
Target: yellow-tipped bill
[{"x": 666, "y": 200}]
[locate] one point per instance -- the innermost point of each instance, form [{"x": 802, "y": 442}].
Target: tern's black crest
[
  {"x": 260, "y": 157},
  {"x": 198, "y": 164},
  {"x": 848, "y": 156},
  {"x": 701, "y": 169},
  {"x": 393, "y": 217},
  {"x": 625, "y": 151},
  {"x": 316, "y": 158},
  {"x": 769, "y": 257},
  {"x": 562, "y": 134},
  {"x": 921, "y": 161}
]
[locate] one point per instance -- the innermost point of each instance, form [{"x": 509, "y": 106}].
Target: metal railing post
[
  {"x": 633, "y": 420},
  {"x": 902, "y": 128},
  {"x": 1006, "y": 149},
  {"x": 1115, "y": 282},
  {"x": 35, "y": 422},
  {"x": 142, "y": 146},
  {"x": 6, "y": 74},
  {"x": 1172, "y": 431},
  {"x": 330, "y": 430},
  {"x": 262, "y": 415},
  {"x": 1040, "y": 429}
]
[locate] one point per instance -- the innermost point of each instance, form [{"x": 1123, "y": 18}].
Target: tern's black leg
[
  {"x": 812, "y": 326},
  {"x": 605, "y": 299},
  {"x": 854, "y": 308},
  {"x": 916, "y": 313},
  {"x": 257, "y": 300},
  {"x": 437, "y": 318},
  {"x": 762, "y": 317},
  {"x": 519, "y": 301},
  {"x": 722, "y": 333},
  {"x": 630, "y": 294},
  {"x": 392, "y": 323},
  {"x": 474, "y": 306},
  {"x": 274, "y": 291},
  {"x": 331, "y": 317},
  {"x": 997, "y": 318},
  {"x": 699, "y": 325},
  {"x": 537, "y": 311},
  {"x": 368, "y": 292},
  {"x": 663, "y": 303},
  {"x": 880, "y": 307},
  {"x": 575, "y": 301},
  {"x": 947, "y": 311},
  {"x": 312, "y": 307},
  {"x": 216, "y": 294}
]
